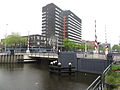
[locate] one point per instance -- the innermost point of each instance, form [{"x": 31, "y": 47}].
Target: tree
[
  {"x": 69, "y": 45},
  {"x": 90, "y": 47},
  {"x": 14, "y": 39},
  {"x": 116, "y": 48}
]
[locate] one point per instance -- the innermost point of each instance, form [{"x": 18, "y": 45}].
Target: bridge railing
[
  {"x": 91, "y": 56},
  {"x": 44, "y": 55}
]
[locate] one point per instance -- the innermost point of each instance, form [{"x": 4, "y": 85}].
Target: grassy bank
[
  {"x": 115, "y": 67},
  {"x": 113, "y": 77}
]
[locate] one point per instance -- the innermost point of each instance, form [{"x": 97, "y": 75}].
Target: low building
[{"x": 36, "y": 41}]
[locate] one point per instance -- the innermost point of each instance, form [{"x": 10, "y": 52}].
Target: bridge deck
[
  {"x": 55, "y": 56},
  {"x": 43, "y": 55}
]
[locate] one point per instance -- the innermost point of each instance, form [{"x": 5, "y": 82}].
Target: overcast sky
[{"x": 26, "y": 15}]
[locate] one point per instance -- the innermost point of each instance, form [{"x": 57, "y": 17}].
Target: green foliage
[
  {"x": 90, "y": 47},
  {"x": 116, "y": 48},
  {"x": 71, "y": 45},
  {"x": 110, "y": 79},
  {"x": 101, "y": 48},
  {"x": 14, "y": 39},
  {"x": 116, "y": 67},
  {"x": 113, "y": 77}
]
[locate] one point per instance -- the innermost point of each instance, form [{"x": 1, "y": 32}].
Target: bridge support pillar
[{"x": 26, "y": 56}]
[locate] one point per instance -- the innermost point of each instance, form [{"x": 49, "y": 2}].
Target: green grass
[
  {"x": 115, "y": 67},
  {"x": 112, "y": 76}
]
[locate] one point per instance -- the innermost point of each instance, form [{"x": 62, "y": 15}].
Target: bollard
[
  {"x": 51, "y": 63},
  {"x": 59, "y": 64},
  {"x": 70, "y": 67},
  {"x": 59, "y": 68},
  {"x": 51, "y": 68},
  {"x": 55, "y": 63}
]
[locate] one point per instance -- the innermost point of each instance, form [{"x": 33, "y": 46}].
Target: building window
[
  {"x": 41, "y": 38},
  {"x": 44, "y": 25},
  {"x": 38, "y": 43},
  {"x": 56, "y": 32},
  {"x": 57, "y": 19},
  {"x": 38, "y": 37},
  {"x": 57, "y": 13},
  {"x": 43, "y": 18},
  {"x": 57, "y": 9},
  {"x": 43, "y": 28},
  {"x": 56, "y": 35},
  {"x": 44, "y": 22},
  {"x": 31, "y": 38},
  {"x": 44, "y": 15},
  {"x": 44, "y": 35},
  {"x": 43, "y": 12},
  {"x": 57, "y": 25}
]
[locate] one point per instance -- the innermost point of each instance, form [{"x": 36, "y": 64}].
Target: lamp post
[
  {"x": 85, "y": 47},
  {"x": 6, "y": 36},
  {"x": 28, "y": 46}
]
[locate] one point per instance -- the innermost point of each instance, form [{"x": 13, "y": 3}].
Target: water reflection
[
  {"x": 11, "y": 67},
  {"x": 37, "y": 77}
]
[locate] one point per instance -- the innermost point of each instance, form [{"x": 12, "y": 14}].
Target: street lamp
[
  {"x": 84, "y": 42},
  {"x": 28, "y": 46},
  {"x": 6, "y": 36},
  {"x": 85, "y": 47}
]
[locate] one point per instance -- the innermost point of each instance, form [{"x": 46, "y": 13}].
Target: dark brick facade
[{"x": 54, "y": 25}]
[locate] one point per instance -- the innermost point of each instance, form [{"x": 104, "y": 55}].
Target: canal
[{"x": 37, "y": 77}]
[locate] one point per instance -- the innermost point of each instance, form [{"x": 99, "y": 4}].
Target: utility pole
[
  {"x": 119, "y": 40},
  {"x": 106, "y": 46},
  {"x": 96, "y": 43},
  {"x": 85, "y": 47},
  {"x": 6, "y": 36},
  {"x": 28, "y": 44}
]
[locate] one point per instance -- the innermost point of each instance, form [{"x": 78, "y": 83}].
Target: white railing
[
  {"x": 91, "y": 56},
  {"x": 96, "y": 84},
  {"x": 44, "y": 55}
]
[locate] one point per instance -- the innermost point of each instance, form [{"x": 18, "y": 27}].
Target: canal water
[{"x": 37, "y": 77}]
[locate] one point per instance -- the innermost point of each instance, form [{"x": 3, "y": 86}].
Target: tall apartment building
[
  {"x": 52, "y": 24},
  {"x": 72, "y": 26},
  {"x": 58, "y": 24}
]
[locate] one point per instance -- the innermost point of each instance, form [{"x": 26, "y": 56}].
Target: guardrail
[
  {"x": 96, "y": 85},
  {"x": 91, "y": 56},
  {"x": 106, "y": 70},
  {"x": 104, "y": 73}
]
